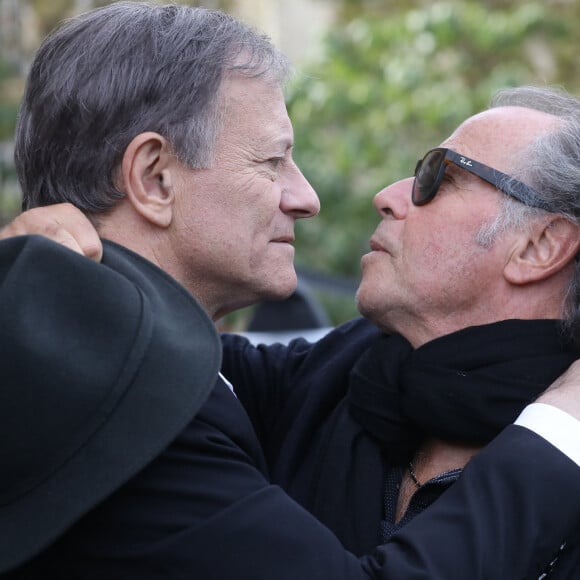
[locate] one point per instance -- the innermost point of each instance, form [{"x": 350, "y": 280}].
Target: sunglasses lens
[{"x": 426, "y": 173}]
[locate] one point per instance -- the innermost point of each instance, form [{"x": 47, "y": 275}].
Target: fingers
[{"x": 62, "y": 223}]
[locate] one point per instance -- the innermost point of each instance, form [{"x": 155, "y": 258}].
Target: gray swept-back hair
[
  {"x": 115, "y": 72},
  {"x": 551, "y": 165}
]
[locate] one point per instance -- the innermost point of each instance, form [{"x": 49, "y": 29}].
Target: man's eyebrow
[
  {"x": 276, "y": 146},
  {"x": 284, "y": 143}
]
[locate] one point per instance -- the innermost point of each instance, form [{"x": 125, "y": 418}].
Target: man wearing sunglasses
[
  {"x": 470, "y": 275},
  {"x": 474, "y": 284}
]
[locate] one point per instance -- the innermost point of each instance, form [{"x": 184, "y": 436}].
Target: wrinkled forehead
[
  {"x": 253, "y": 110},
  {"x": 497, "y": 137}
]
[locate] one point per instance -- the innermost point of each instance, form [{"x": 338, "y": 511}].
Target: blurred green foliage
[
  {"x": 391, "y": 85},
  {"x": 8, "y": 103}
]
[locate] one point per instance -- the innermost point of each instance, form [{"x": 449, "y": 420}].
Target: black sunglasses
[{"x": 430, "y": 170}]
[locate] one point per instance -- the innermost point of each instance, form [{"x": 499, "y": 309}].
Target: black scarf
[{"x": 466, "y": 386}]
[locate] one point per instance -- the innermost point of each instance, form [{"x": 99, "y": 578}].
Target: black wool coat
[{"x": 296, "y": 396}]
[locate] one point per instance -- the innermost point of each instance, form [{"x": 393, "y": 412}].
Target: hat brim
[{"x": 171, "y": 368}]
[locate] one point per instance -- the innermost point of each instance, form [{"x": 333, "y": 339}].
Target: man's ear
[
  {"x": 147, "y": 171},
  {"x": 544, "y": 250}
]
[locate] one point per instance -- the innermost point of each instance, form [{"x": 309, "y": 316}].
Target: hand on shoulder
[{"x": 63, "y": 223}]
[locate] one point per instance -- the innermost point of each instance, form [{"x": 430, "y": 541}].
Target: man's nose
[{"x": 393, "y": 200}]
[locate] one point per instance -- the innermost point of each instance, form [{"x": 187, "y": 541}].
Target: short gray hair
[
  {"x": 115, "y": 72},
  {"x": 550, "y": 165}
]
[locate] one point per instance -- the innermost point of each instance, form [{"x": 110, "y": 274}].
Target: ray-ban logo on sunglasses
[{"x": 464, "y": 161}]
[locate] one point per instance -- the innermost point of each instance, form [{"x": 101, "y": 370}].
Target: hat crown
[
  {"x": 103, "y": 365},
  {"x": 61, "y": 368}
]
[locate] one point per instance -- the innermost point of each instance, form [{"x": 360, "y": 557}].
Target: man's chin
[
  {"x": 361, "y": 297},
  {"x": 366, "y": 302},
  {"x": 280, "y": 287}
]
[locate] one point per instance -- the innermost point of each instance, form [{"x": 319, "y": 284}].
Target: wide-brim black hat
[{"x": 102, "y": 366}]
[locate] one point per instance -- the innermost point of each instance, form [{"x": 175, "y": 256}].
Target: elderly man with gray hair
[{"x": 471, "y": 285}]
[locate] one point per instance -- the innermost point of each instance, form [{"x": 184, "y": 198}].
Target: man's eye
[
  {"x": 275, "y": 161},
  {"x": 448, "y": 179}
]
